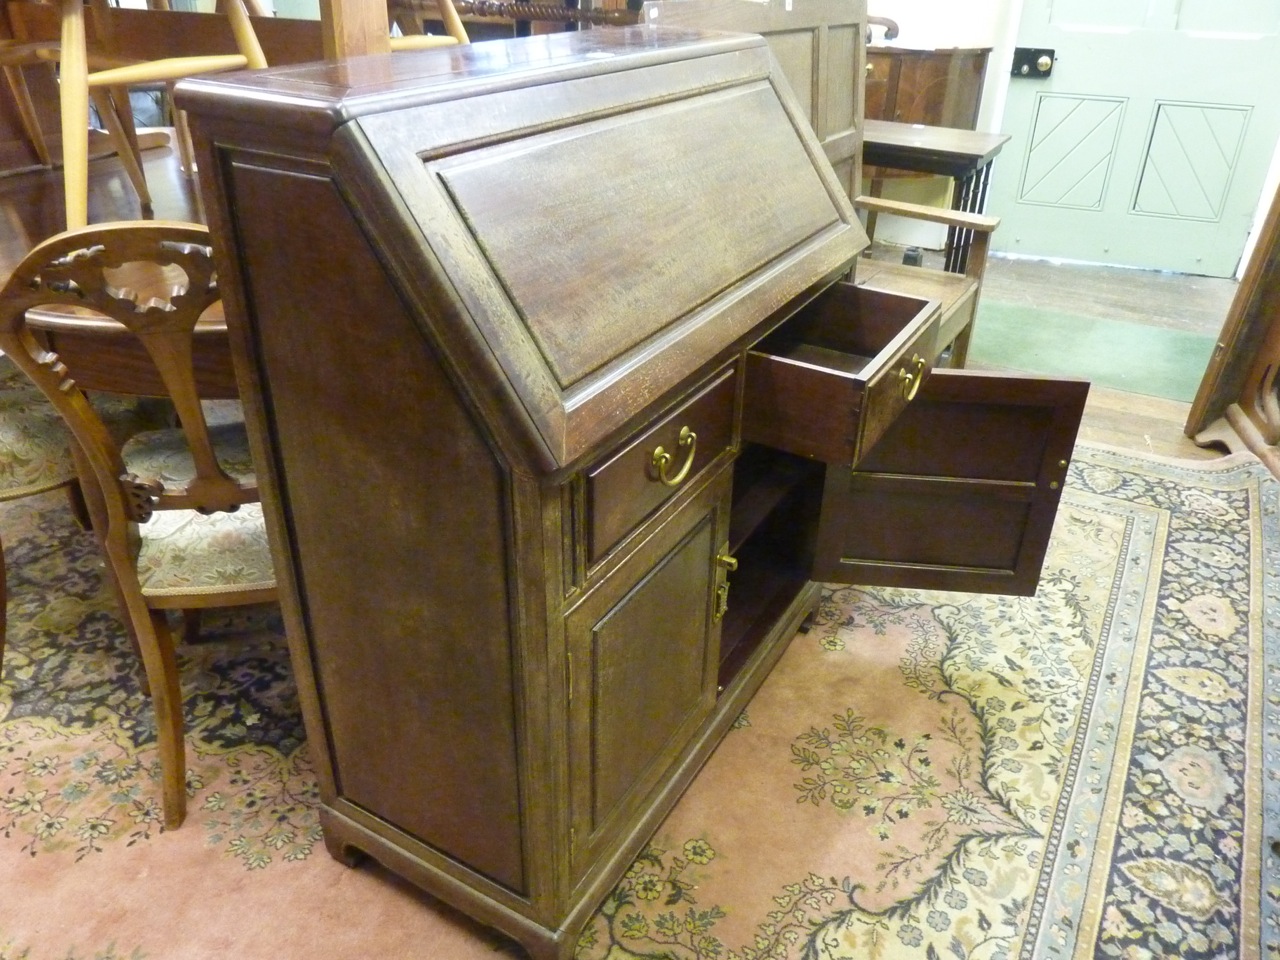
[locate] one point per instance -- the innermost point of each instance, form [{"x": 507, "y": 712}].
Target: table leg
[
  {"x": 958, "y": 239},
  {"x": 970, "y": 196}
]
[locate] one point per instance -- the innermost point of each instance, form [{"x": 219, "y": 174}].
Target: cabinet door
[
  {"x": 960, "y": 493},
  {"x": 644, "y": 651}
]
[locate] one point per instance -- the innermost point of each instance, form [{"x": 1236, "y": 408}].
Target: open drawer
[{"x": 829, "y": 381}]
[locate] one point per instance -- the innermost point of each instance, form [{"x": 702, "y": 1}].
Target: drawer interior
[{"x": 847, "y": 328}]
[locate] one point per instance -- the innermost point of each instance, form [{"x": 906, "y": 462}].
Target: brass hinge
[{"x": 727, "y": 564}]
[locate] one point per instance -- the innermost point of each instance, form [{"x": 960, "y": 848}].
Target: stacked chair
[{"x": 108, "y": 87}]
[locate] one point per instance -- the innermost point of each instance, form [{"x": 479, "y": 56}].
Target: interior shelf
[
  {"x": 762, "y": 480},
  {"x": 773, "y": 492}
]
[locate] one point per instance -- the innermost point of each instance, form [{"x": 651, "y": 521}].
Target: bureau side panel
[{"x": 395, "y": 507}]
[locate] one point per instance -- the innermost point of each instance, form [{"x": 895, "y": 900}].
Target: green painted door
[{"x": 1149, "y": 142}]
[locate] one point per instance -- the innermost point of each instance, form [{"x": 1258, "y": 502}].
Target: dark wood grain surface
[{"x": 946, "y": 151}]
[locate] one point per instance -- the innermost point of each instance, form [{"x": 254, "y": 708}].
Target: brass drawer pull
[
  {"x": 661, "y": 460},
  {"x": 911, "y": 381}
]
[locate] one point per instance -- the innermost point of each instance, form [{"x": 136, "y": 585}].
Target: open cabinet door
[{"x": 960, "y": 493}]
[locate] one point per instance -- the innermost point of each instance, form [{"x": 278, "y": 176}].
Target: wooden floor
[
  {"x": 1172, "y": 301},
  {"x": 32, "y": 209},
  {"x": 1147, "y": 424}
]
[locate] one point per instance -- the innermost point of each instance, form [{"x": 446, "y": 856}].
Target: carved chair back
[{"x": 113, "y": 283}]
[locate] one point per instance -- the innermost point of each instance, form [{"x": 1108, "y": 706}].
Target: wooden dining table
[
  {"x": 112, "y": 360},
  {"x": 108, "y": 358}
]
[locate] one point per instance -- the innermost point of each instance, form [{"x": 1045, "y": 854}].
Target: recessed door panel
[
  {"x": 1098, "y": 13},
  {"x": 1073, "y": 144},
  {"x": 1238, "y": 16},
  {"x": 1190, "y": 159},
  {"x": 644, "y": 647}
]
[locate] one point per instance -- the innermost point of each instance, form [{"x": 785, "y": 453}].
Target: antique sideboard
[
  {"x": 563, "y": 400},
  {"x": 940, "y": 88}
]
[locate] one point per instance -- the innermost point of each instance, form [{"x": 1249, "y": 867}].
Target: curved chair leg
[
  {"x": 166, "y": 699},
  {"x": 4, "y": 607},
  {"x": 191, "y": 625},
  {"x": 130, "y": 628},
  {"x": 86, "y": 500},
  {"x": 150, "y": 631},
  {"x": 79, "y": 507}
]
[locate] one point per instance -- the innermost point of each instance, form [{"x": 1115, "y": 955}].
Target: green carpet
[{"x": 1134, "y": 357}]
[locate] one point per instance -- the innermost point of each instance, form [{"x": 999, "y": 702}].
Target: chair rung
[
  {"x": 174, "y": 68},
  {"x": 421, "y": 41}
]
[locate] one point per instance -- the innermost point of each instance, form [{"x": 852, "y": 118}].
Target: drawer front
[
  {"x": 648, "y": 471},
  {"x": 826, "y": 392},
  {"x": 893, "y": 387}
]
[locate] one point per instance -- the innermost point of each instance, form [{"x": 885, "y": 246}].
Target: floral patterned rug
[{"x": 1090, "y": 772}]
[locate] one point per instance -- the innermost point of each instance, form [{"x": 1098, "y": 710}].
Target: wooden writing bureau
[{"x": 561, "y": 407}]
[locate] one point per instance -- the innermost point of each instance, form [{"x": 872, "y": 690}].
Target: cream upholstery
[
  {"x": 165, "y": 456},
  {"x": 34, "y": 456},
  {"x": 185, "y": 552}
]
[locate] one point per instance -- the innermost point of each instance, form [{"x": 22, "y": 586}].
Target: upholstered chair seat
[
  {"x": 35, "y": 452},
  {"x": 185, "y": 552},
  {"x": 165, "y": 456}
]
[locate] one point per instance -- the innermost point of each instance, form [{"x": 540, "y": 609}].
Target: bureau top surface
[
  {"x": 326, "y": 93},
  {"x": 583, "y": 222}
]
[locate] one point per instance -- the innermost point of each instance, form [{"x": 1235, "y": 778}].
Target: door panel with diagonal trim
[{"x": 1148, "y": 143}]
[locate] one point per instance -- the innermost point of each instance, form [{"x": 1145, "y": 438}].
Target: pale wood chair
[
  {"x": 108, "y": 86},
  {"x": 408, "y": 15},
  {"x": 14, "y": 56},
  {"x": 957, "y": 292},
  {"x": 179, "y": 524}
]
